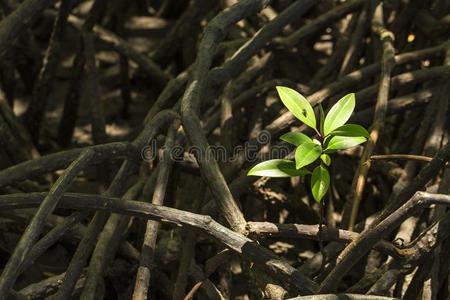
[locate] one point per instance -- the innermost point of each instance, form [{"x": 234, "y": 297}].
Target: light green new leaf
[
  {"x": 320, "y": 182},
  {"x": 326, "y": 159},
  {"x": 322, "y": 118},
  {"x": 295, "y": 138},
  {"x": 344, "y": 142},
  {"x": 277, "y": 168},
  {"x": 350, "y": 130},
  {"x": 297, "y": 105},
  {"x": 339, "y": 113},
  {"x": 316, "y": 141},
  {"x": 306, "y": 153}
]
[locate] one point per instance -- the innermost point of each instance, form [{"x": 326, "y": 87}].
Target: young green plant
[{"x": 331, "y": 135}]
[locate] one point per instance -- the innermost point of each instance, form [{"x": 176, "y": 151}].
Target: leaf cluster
[{"x": 331, "y": 135}]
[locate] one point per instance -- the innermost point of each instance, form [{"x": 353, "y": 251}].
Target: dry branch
[
  {"x": 267, "y": 229},
  {"x": 151, "y": 232},
  {"x": 190, "y": 105},
  {"x": 36, "y": 109}
]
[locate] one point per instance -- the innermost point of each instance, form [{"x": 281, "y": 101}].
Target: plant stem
[{"x": 322, "y": 205}]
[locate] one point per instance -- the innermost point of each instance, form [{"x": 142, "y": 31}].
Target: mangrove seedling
[{"x": 332, "y": 135}]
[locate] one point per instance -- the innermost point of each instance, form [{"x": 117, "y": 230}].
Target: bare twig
[
  {"x": 267, "y": 229},
  {"x": 38, "y": 104},
  {"x": 151, "y": 232},
  {"x": 402, "y": 157},
  {"x": 91, "y": 90},
  {"x": 355, "y": 47}
]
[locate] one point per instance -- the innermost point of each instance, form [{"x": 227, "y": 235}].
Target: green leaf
[
  {"x": 297, "y": 105},
  {"x": 295, "y": 138},
  {"x": 307, "y": 153},
  {"x": 320, "y": 182},
  {"x": 350, "y": 130},
  {"x": 292, "y": 170},
  {"x": 339, "y": 113},
  {"x": 326, "y": 159},
  {"x": 322, "y": 118},
  {"x": 277, "y": 168},
  {"x": 344, "y": 142}
]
